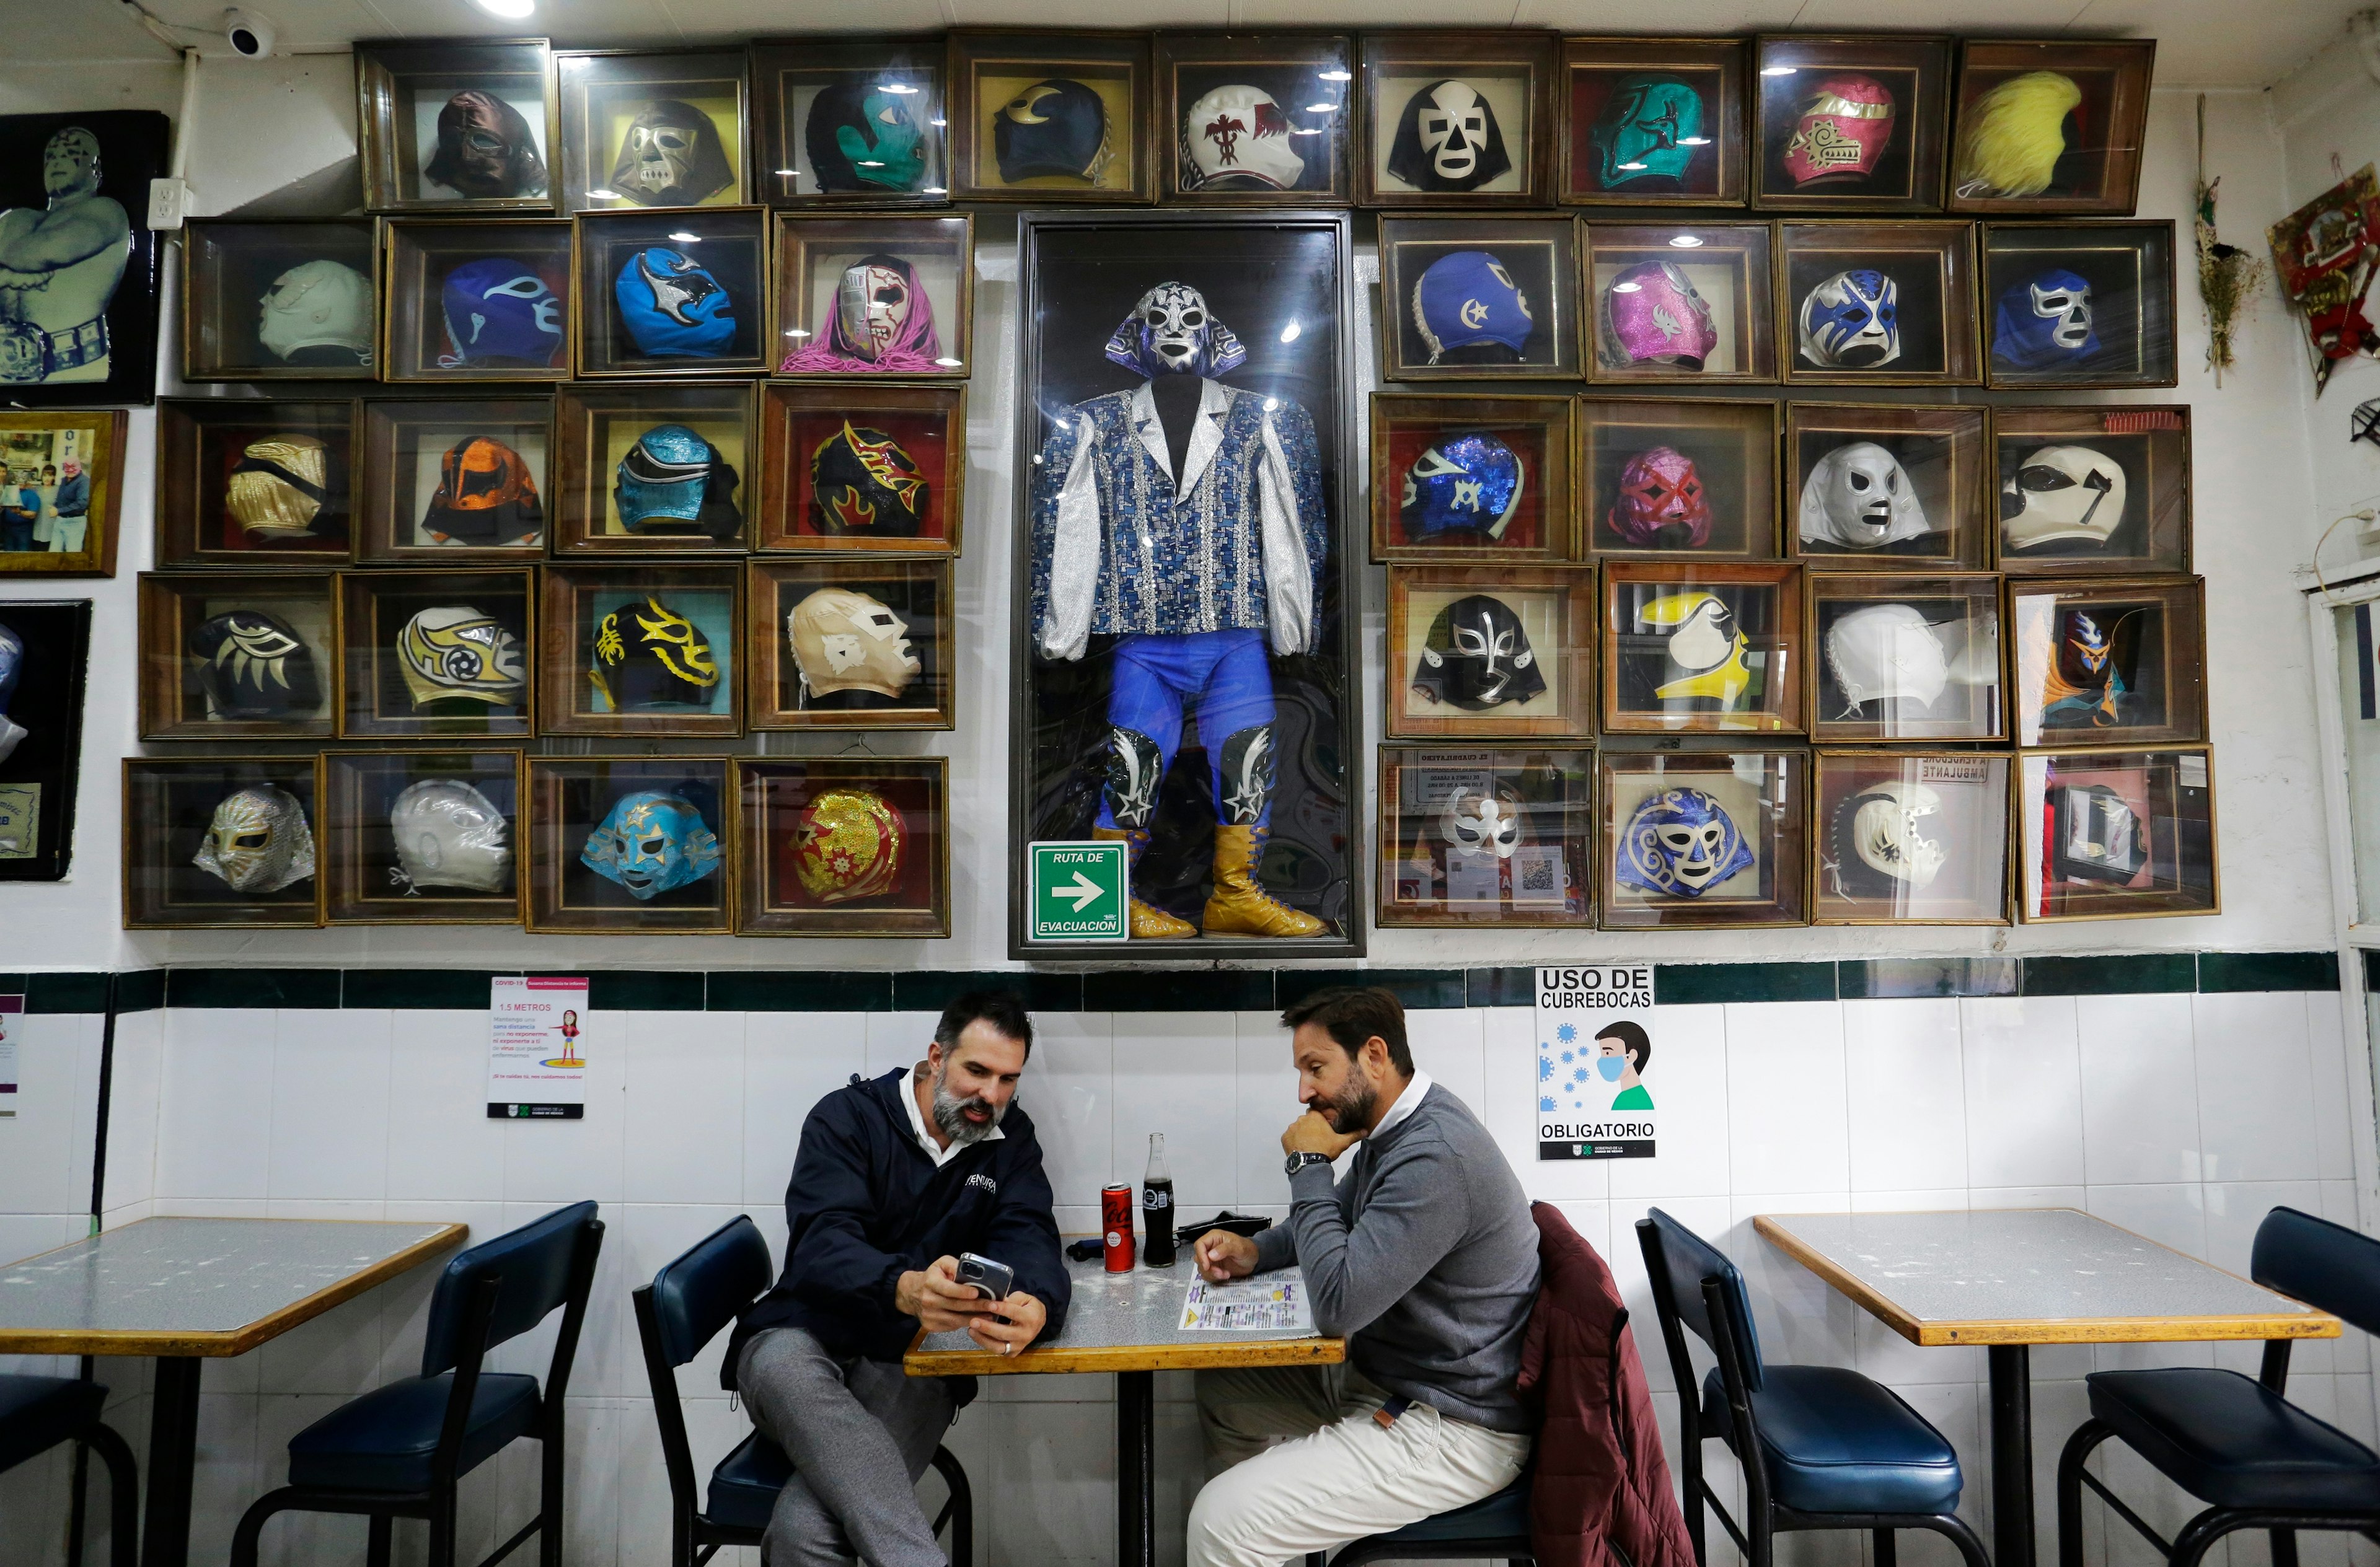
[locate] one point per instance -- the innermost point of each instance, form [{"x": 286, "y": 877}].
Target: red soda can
[{"x": 1115, "y": 1224}]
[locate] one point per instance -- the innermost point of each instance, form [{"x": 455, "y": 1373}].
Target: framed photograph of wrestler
[
  {"x": 2079, "y": 304},
  {"x": 672, "y": 294},
  {"x": 851, "y": 644},
  {"x": 452, "y": 481},
  {"x": 1475, "y": 299},
  {"x": 221, "y": 841},
  {"x": 1682, "y": 301},
  {"x": 1692, "y": 646},
  {"x": 1906, "y": 657},
  {"x": 843, "y": 846},
  {"x": 1850, "y": 124},
  {"x": 435, "y": 652},
  {"x": 458, "y": 125},
  {"x": 1250, "y": 119},
  {"x": 1051, "y": 117},
  {"x": 1491, "y": 653},
  {"x": 652, "y": 467},
  {"x": 79, "y": 319},
  {"x": 44, "y": 662},
  {"x": 237, "y": 655},
  {"x": 641, "y": 650},
  {"x": 1457, "y": 119},
  {"x": 1471, "y": 477},
  {"x": 874, "y": 295},
  {"x": 250, "y": 482},
  {"x": 851, "y": 121},
  {"x": 1653, "y": 121},
  {"x": 645, "y": 129},
  {"x": 2116, "y": 835},
  {"x": 1888, "y": 487},
  {"x": 290, "y": 300},
  {"x": 1702, "y": 840},
  {"x": 1662, "y": 478},
  {"x": 629, "y": 845},
  {"x": 1183, "y": 671},
  {"x": 1878, "y": 304},
  {"x": 1481, "y": 838},
  {"x": 2103, "y": 661},
  {"x": 2094, "y": 489},
  {"x": 2050, "y": 125},
  {"x": 862, "y": 468},
  {"x": 476, "y": 300},
  {"x": 1910, "y": 837},
  {"x": 60, "y": 492},
  {"x": 421, "y": 837}
]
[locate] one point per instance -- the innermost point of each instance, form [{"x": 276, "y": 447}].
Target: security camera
[{"x": 250, "y": 35}]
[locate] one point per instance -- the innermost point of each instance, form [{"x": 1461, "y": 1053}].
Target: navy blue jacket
[{"x": 866, "y": 1205}]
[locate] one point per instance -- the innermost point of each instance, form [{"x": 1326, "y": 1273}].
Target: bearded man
[
  {"x": 59, "y": 268},
  {"x": 894, "y": 1178},
  {"x": 1424, "y": 1257}
]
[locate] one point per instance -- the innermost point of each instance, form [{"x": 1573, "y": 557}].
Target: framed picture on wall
[
  {"x": 1878, "y": 304},
  {"x": 1662, "y": 478},
  {"x": 290, "y": 300},
  {"x": 1906, "y": 657},
  {"x": 84, "y": 330},
  {"x": 450, "y": 481},
  {"x": 641, "y": 650},
  {"x": 1485, "y": 837},
  {"x": 1700, "y": 839},
  {"x": 2115, "y": 834},
  {"x": 874, "y": 295},
  {"x": 221, "y": 841},
  {"x": 2104, "y": 661},
  {"x": 44, "y": 663},
  {"x": 1471, "y": 477},
  {"x": 1884, "y": 487},
  {"x": 647, "y": 129},
  {"x": 1457, "y": 119},
  {"x": 1050, "y": 116},
  {"x": 237, "y": 655},
  {"x": 2087, "y": 490},
  {"x": 1491, "y": 653},
  {"x": 250, "y": 482},
  {"x": 2050, "y": 125},
  {"x": 652, "y": 467},
  {"x": 673, "y": 294},
  {"x": 1904, "y": 838},
  {"x": 1255, "y": 119},
  {"x": 843, "y": 846},
  {"x": 1653, "y": 121},
  {"x": 476, "y": 301},
  {"x": 1466, "y": 298},
  {"x": 851, "y": 121},
  {"x": 1853, "y": 123},
  {"x": 863, "y": 643},
  {"x": 435, "y": 652},
  {"x": 862, "y": 468},
  {"x": 421, "y": 837},
  {"x": 60, "y": 492},
  {"x": 1681, "y": 302},
  {"x": 1711, "y": 646},
  {"x": 629, "y": 846},
  {"x": 458, "y": 125},
  {"x": 2084, "y": 305}
]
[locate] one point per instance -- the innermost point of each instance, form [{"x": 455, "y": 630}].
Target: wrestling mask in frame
[
  {"x": 1703, "y": 652},
  {"x": 1482, "y": 822},
  {"x": 1648, "y": 129},
  {"x": 1661, "y": 503},
  {"x": 1851, "y": 321},
  {"x": 447, "y": 834},
  {"x": 455, "y": 652},
  {"x": 2045, "y": 323},
  {"x": 253, "y": 667},
  {"x": 1859, "y": 497},
  {"x": 671, "y": 156},
  {"x": 1652, "y": 314},
  {"x": 486, "y": 149},
  {"x": 648, "y": 655},
  {"x": 1882, "y": 849},
  {"x": 652, "y": 842},
  {"x": 1477, "y": 656},
  {"x": 861, "y": 137},
  {"x": 1679, "y": 842},
  {"x": 258, "y": 842},
  {"x": 846, "y": 641},
  {"x": 1239, "y": 136},
  {"x": 848, "y": 845},
  {"x": 1448, "y": 139},
  {"x": 1465, "y": 489}
]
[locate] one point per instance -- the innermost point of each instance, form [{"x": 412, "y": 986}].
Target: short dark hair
[
  {"x": 1004, "y": 1010},
  {"x": 1633, "y": 1040},
  {"x": 1352, "y": 1015}
]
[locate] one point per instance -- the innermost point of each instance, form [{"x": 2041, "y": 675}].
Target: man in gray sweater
[{"x": 1424, "y": 1257}]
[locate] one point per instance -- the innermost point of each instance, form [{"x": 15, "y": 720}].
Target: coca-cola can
[{"x": 1115, "y": 1224}]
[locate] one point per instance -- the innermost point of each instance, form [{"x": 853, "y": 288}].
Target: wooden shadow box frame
[
  {"x": 1548, "y": 284},
  {"x": 1568, "y": 666},
  {"x": 1592, "y": 66},
  {"x": 783, "y": 68},
  {"x": 789, "y": 503},
  {"x": 2120, "y": 71},
  {"x": 417, "y": 256},
  {"x": 1399, "y": 899},
  {"x": 1936, "y": 770},
  {"x": 1707, "y": 426},
  {"x": 1781, "y": 640},
  {"x": 568, "y": 798},
  {"x": 392, "y": 160},
  {"x": 1774, "y": 805},
  {"x": 1532, "y": 57},
  {"x": 587, "y": 419},
  {"x": 1745, "y": 252},
  {"x": 566, "y": 633},
  {"x": 1542, "y": 425},
  {"x": 392, "y": 501},
  {"x": 370, "y": 663},
  {"x": 174, "y": 604},
  {"x": 1913, "y": 67},
  {"x": 200, "y": 441},
  {"x": 362, "y": 883},
  {"x": 775, "y": 588},
  {"x": 1987, "y": 720},
  {"x": 159, "y": 839},
  {"x": 731, "y": 243},
  {"x": 770, "y": 789},
  {"x": 1029, "y": 56},
  {"x": 2175, "y": 786},
  {"x": 802, "y": 237},
  {"x": 229, "y": 266},
  {"x": 1846, "y": 245},
  {"x": 1963, "y": 493},
  {"x": 2178, "y": 650}
]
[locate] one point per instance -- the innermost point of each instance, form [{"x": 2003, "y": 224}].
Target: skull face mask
[
  {"x": 253, "y": 667},
  {"x": 674, "y": 306},
  {"x": 318, "y": 312},
  {"x": 280, "y": 490},
  {"x": 860, "y": 138},
  {"x": 1851, "y": 321},
  {"x": 1881, "y": 849},
  {"x": 846, "y": 641},
  {"x": 1466, "y": 484},
  {"x": 1703, "y": 650},
  {"x": 259, "y": 841},
  {"x": 2045, "y": 323},
  {"x": 883, "y": 323},
  {"x": 1171, "y": 332},
  {"x": 485, "y": 149},
  {"x": 1652, "y": 314},
  {"x": 1475, "y": 824},
  {"x": 1885, "y": 652},
  {"x": 671, "y": 157},
  {"x": 1447, "y": 139},
  {"x": 499, "y": 315},
  {"x": 1845, "y": 126},
  {"x": 485, "y": 495},
  {"x": 458, "y": 653},
  {"x": 848, "y": 845},
  {"x": 651, "y": 843},
  {"x": 1858, "y": 496},
  {"x": 1466, "y": 299},
  {"x": 1647, "y": 131},
  {"x": 1239, "y": 137},
  {"x": 1661, "y": 503},
  {"x": 864, "y": 485},
  {"x": 649, "y": 656},
  {"x": 1477, "y": 656},
  {"x": 2061, "y": 495},
  {"x": 2096, "y": 836},
  {"x": 1679, "y": 843},
  {"x": 873, "y": 304},
  {"x": 448, "y": 834}
]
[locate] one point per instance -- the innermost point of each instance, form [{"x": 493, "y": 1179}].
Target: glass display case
[
  {"x": 457, "y": 126},
  {"x": 421, "y": 837},
  {"x": 1906, "y": 657},
  {"x": 1665, "y": 479},
  {"x": 1481, "y": 652},
  {"x": 629, "y": 846},
  {"x": 1479, "y": 298},
  {"x": 221, "y": 840},
  {"x": 1876, "y": 487},
  {"x": 864, "y": 643},
  {"x": 1701, "y": 840},
  {"x": 1457, "y": 119},
  {"x": 672, "y": 293},
  {"x": 237, "y": 655},
  {"x": 467, "y": 300},
  {"x": 644, "y": 650},
  {"x": 289, "y": 300},
  {"x": 2115, "y": 834},
  {"x": 844, "y": 847},
  {"x": 862, "y": 468},
  {"x": 1712, "y": 649},
  {"x": 851, "y": 120},
  {"x": 1485, "y": 837},
  {"x": 435, "y": 652},
  {"x": 1471, "y": 477},
  {"x": 1653, "y": 121},
  {"x": 1681, "y": 302},
  {"x": 251, "y": 482},
  {"x": 652, "y": 128},
  {"x": 1255, "y": 119},
  {"x": 454, "y": 481},
  {"x": 1907, "y": 838}
]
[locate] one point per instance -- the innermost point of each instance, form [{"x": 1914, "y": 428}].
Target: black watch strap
[{"x": 1298, "y": 1162}]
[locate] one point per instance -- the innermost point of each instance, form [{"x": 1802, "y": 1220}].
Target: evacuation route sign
[
  {"x": 1077, "y": 892},
  {"x": 1596, "y": 1039}
]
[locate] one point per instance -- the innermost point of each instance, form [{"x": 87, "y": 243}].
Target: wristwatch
[{"x": 1298, "y": 1162}]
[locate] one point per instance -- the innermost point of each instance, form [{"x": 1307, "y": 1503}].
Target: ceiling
[{"x": 2201, "y": 43}]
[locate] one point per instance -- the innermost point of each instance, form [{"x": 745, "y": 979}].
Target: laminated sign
[
  {"x": 1595, "y": 1056},
  {"x": 537, "y": 1061}
]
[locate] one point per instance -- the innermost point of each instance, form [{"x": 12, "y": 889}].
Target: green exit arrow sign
[{"x": 1079, "y": 892}]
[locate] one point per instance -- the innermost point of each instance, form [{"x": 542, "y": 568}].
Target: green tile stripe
[
  {"x": 2138, "y": 973},
  {"x": 2220, "y": 972}
]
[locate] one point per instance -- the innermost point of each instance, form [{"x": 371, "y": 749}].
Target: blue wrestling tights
[{"x": 1224, "y": 681}]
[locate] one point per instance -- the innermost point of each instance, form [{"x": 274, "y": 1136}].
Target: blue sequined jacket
[{"x": 1120, "y": 549}]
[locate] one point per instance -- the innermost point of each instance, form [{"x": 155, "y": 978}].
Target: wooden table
[
  {"x": 184, "y": 1290},
  {"x": 1130, "y": 1324},
  {"x": 2010, "y": 1279}
]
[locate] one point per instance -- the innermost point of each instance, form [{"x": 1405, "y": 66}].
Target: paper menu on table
[{"x": 1275, "y": 1302}]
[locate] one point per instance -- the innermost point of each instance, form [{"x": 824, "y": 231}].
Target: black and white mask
[{"x": 1477, "y": 655}]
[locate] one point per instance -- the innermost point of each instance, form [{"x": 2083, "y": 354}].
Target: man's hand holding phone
[{"x": 934, "y": 1296}]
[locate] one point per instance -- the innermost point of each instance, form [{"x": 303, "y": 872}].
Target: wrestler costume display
[{"x": 1195, "y": 576}]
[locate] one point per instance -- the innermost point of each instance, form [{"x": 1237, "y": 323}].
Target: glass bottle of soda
[{"x": 1156, "y": 1208}]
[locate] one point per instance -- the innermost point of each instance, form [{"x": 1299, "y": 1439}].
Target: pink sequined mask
[
  {"x": 1652, "y": 316},
  {"x": 1845, "y": 126},
  {"x": 1661, "y": 504}
]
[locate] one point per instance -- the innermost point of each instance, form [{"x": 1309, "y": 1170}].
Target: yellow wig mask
[{"x": 2016, "y": 133}]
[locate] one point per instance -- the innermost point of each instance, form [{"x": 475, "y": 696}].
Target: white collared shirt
[
  {"x": 1407, "y": 1102},
  {"x": 935, "y": 1150}
]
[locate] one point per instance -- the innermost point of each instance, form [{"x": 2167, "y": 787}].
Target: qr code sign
[{"x": 1538, "y": 876}]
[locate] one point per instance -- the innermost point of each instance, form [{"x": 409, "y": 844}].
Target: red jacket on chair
[{"x": 1601, "y": 1496}]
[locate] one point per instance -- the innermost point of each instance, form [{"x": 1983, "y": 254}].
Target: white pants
[{"x": 1340, "y": 1475}]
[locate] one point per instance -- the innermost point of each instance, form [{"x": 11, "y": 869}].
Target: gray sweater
[{"x": 1425, "y": 1258}]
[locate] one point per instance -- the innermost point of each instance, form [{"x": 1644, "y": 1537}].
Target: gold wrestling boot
[
  {"x": 1240, "y": 906},
  {"x": 1149, "y": 922}
]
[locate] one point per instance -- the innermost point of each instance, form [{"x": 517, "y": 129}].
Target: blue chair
[
  {"x": 1821, "y": 1447},
  {"x": 1493, "y": 1526},
  {"x": 398, "y": 1451},
  {"x": 2237, "y": 1443},
  {"x": 683, "y": 1309},
  {"x": 38, "y": 1413}
]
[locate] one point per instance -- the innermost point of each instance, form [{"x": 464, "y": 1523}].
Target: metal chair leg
[
  {"x": 549, "y": 1498},
  {"x": 123, "y": 1495},
  {"x": 2070, "y": 1459},
  {"x": 252, "y": 1522},
  {"x": 1885, "y": 1556},
  {"x": 442, "y": 1531},
  {"x": 1952, "y": 1527},
  {"x": 2285, "y": 1547},
  {"x": 2200, "y": 1535},
  {"x": 961, "y": 1507},
  {"x": 376, "y": 1546}
]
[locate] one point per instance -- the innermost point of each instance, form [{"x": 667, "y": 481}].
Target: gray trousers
[{"x": 860, "y": 1433}]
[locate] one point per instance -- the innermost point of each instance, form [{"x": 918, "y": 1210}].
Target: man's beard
[
  {"x": 1354, "y": 1106},
  {"x": 950, "y": 1113}
]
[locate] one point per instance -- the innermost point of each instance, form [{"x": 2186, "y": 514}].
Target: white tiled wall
[{"x": 2186, "y": 1117}]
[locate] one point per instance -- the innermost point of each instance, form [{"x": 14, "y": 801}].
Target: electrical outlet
[{"x": 169, "y": 203}]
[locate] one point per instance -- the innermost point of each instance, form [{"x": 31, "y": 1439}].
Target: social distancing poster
[{"x": 1596, "y": 1044}]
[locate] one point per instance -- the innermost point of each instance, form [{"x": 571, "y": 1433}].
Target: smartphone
[{"x": 991, "y": 1281}]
